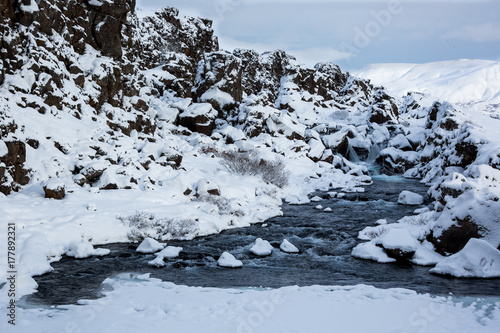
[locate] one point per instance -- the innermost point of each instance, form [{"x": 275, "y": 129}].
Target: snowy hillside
[{"x": 456, "y": 81}]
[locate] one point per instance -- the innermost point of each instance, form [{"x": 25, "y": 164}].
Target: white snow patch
[
  {"x": 371, "y": 251},
  {"x": 261, "y": 247},
  {"x": 150, "y": 245},
  {"x": 410, "y": 198},
  {"x": 477, "y": 259},
  {"x": 84, "y": 250},
  {"x": 228, "y": 260},
  {"x": 288, "y": 247},
  {"x": 398, "y": 238}
]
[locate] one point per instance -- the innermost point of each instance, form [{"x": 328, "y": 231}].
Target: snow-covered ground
[
  {"x": 131, "y": 170},
  {"x": 139, "y": 303}
]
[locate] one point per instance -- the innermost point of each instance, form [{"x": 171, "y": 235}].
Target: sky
[{"x": 353, "y": 33}]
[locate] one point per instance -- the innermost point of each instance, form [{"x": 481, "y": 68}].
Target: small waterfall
[{"x": 352, "y": 155}]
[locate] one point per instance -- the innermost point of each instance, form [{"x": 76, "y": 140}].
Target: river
[{"x": 325, "y": 240}]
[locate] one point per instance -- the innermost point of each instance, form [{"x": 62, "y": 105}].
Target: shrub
[
  {"x": 248, "y": 163},
  {"x": 143, "y": 225}
]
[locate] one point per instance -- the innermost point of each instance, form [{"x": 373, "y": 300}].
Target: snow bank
[
  {"x": 228, "y": 260},
  {"x": 261, "y": 247},
  {"x": 477, "y": 259},
  {"x": 149, "y": 305},
  {"x": 410, "y": 198},
  {"x": 150, "y": 245}
]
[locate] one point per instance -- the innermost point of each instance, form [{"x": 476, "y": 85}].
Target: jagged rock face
[
  {"x": 12, "y": 170},
  {"x": 96, "y": 61}
]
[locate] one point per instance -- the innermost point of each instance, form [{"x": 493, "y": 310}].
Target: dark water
[{"x": 324, "y": 238}]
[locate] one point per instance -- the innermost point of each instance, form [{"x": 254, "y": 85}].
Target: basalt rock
[
  {"x": 455, "y": 237},
  {"x": 12, "y": 170}
]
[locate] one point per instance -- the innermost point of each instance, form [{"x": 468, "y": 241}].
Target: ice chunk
[
  {"x": 288, "y": 247},
  {"x": 150, "y": 245},
  {"x": 477, "y": 259},
  {"x": 228, "y": 260},
  {"x": 261, "y": 247},
  {"x": 410, "y": 198}
]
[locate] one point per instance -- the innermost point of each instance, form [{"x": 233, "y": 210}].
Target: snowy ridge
[{"x": 456, "y": 81}]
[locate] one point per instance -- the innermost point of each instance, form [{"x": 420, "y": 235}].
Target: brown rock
[{"x": 57, "y": 193}]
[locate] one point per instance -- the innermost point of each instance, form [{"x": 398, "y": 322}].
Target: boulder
[
  {"x": 199, "y": 118},
  {"x": 398, "y": 243},
  {"x": 54, "y": 189}
]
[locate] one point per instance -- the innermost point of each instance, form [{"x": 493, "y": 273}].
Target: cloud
[
  {"x": 307, "y": 55},
  {"x": 484, "y": 32}
]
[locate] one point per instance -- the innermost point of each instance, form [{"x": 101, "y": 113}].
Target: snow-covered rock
[
  {"x": 261, "y": 247},
  {"x": 398, "y": 243},
  {"x": 228, "y": 260},
  {"x": 288, "y": 247},
  {"x": 371, "y": 251},
  {"x": 150, "y": 245},
  {"x": 84, "y": 250},
  {"x": 477, "y": 259},
  {"x": 410, "y": 198},
  {"x": 54, "y": 188},
  {"x": 168, "y": 252}
]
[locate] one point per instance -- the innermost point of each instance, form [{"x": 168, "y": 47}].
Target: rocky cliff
[{"x": 97, "y": 61}]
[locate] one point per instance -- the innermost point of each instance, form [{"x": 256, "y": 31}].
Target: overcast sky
[{"x": 353, "y": 33}]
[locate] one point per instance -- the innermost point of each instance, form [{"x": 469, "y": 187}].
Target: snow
[
  {"x": 84, "y": 250},
  {"x": 410, "y": 198},
  {"x": 199, "y": 109},
  {"x": 457, "y": 81},
  {"x": 3, "y": 149},
  {"x": 54, "y": 184},
  {"x": 288, "y": 247},
  {"x": 261, "y": 247},
  {"x": 150, "y": 245},
  {"x": 398, "y": 238},
  {"x": 168, "y": 252},
  {"x": 138, "y": 302},
  {"x": 478, "y": 259},
  {"x": 215, "y": 94},
  {"x": 371, "y": 251},
  {"x": 327, "y": 209},
  {"x": 425, "y": 255},
  {"x": 228, "y": 260}
]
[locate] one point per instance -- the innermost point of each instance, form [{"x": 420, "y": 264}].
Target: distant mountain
[{"x": 456, "y": 81}]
